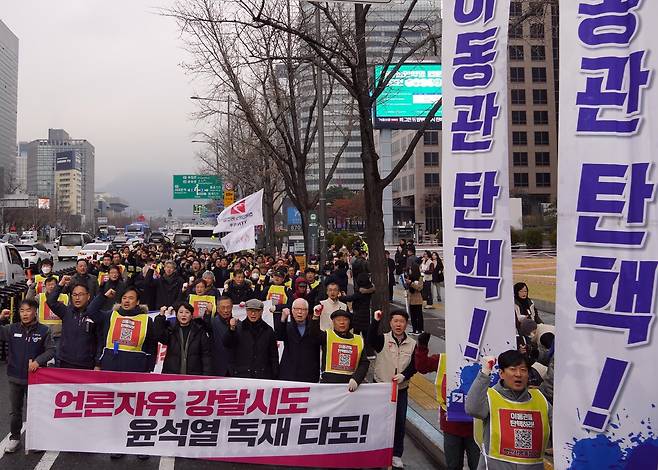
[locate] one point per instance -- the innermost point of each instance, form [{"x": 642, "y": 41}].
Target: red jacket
[{"x": 426, "y": 364}]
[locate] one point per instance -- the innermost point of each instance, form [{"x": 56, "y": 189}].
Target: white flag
[
  {"x": 246, "y": 211},
  {"x": 240, "y": 239}
]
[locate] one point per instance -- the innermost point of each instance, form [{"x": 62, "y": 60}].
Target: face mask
[
  {"x": 46, "y": 269},
  {"x": 255, "y": 277}
]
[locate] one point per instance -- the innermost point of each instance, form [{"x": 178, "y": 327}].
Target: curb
[{"x": 426, "y": 436}]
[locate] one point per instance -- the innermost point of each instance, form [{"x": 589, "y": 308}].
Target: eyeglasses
[{"x": 80, "y": 294}]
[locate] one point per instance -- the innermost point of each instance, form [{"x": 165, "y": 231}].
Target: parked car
[
  {"x": 11, "y": 265},
  {"x": 71, "y": 243},
  {"x": 182, "y": 240},
  {"x": 12, "y": 238},
  {"x": 93, "y": 251},
  {"x": 33, "y": 255},
  {"x": 29, "y": 236}
]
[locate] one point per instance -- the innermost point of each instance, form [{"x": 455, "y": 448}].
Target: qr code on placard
[{"x": 523, "y": 438}]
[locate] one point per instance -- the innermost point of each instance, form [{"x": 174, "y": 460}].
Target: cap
[
  {"x": 341, "y": 313},
  {"x": 253, "y": 304}
]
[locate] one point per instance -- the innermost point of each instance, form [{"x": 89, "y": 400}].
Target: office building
[
  {"x": 20, "y": 172},
  {"x": 41, "y": 168},
  {"x": 8, "y": 104},
  {"x": 68, "y": 182}
]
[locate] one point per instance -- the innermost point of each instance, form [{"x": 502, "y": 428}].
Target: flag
[
  {"x": 240, "y": 239},
  {"x": 245, "y": 212}
]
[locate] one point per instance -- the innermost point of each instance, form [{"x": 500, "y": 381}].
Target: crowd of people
[{"x": 98, "y": 318}]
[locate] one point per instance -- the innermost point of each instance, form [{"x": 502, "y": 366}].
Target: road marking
[
  {"x": 5, "y": 441},
  {"x": 47, "y": 460},
  {"x": 167, "y": 463}
]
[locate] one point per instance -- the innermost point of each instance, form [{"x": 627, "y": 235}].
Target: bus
[
  {"x": 199, "y": 231},
  {"x": 137, "y": 230},
  {"x": 106, "y": 232}
]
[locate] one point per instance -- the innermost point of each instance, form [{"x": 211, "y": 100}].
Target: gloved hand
[
  {"x": 352, "y": 385},
  {"x": 378, "y": 315},
  {"x": 317, "y": 310},
  {"x": 424, "y": 339},
  {"x": 242, "y": 304},
  {"x": 487, "y": 364},
  {"x": 399, "y": 378}
]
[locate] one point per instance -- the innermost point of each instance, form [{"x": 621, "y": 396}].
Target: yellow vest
[
  {"x": 46, "y": 316},
  {"x": 128, "y": 333},
  {"x": 277, "y": 294},
  {"x": 40, "y": 280},
  {"x": 343, "y": 354},
  {"x": 315, "y": 284},
  {"x": 518, "y": 432},
  {"x": 103, "y": 277},
  {"x": 203, "y": 304},
  {"x": 288, "y": 283},
  {"x": 440, "y": 380}
]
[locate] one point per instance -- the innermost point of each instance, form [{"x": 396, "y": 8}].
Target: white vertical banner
[
  {"x": 475, "y": 192},
  {"x": 240, "y": 239},
  {"x": 605, "y": 363}
]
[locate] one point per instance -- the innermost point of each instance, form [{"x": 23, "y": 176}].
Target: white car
[
  {"x": 93, "y": 251},
  {"x": 33, "y": 254},
  {"x": 11, "y": 265},
  {"x": 28, "y": 237}
]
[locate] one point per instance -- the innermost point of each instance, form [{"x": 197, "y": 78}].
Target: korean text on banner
[
  {"x": 241, "y": 420},
  {"x": 475, "y": 192},
  {"x": 605, "y": 358},
  {"x": 240, "y": 214},
  {"x": 240, "y": 239}
]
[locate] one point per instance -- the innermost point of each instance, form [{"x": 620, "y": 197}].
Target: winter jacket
[
  {"x": 301, "y": 354},
  {"x": 360, "y": 308},
  {"x": 393, "y": 356},
  {"x": 186, "y": 354},
  {"x": 239, "y": 293},
  {"x": 437, "y": 274},
  {"x": 79, "y": 339},
  {"x": 221, "y": 276},
  {"x": 167, "y": 289},
  {"x": 88, "y": 280},
  {"x": 146, "y": 295},
  {"x": 255, "y": 349},
  {"x": 400, "y": 262},
  {"x": 119, "y": 287},
  {"x": 116, "y": 359},
  {"x": 222, "y": 357},
  {"x": 415, "y": 292},
  {"x": 34, "y": 341},
  {"x": 530, "y": 312},
  {"x": 477, "y": 405},
  {"x": 359, "y": 265}
]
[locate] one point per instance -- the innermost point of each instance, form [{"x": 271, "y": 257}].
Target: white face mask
[{"x": 46, "y": 269}]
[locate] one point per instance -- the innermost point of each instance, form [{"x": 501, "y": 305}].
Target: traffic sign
[
  {"x": 199, "y": 209},
  {"x": 197, "y": 187},
  {"x": 229, "y": 197}
]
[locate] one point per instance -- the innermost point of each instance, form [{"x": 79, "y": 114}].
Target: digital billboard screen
[
  {"x": 408, "y": 96},
  {"x": 65, "y": 161}
]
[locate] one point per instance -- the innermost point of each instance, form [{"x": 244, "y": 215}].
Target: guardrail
[
  {"x": 518, "y": 251},
  {"x": 11, "y": 298}
]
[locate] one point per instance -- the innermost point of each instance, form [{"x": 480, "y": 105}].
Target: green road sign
[
  {"x": 199, "y": 209},
  {"x": 197, "y": 187}
]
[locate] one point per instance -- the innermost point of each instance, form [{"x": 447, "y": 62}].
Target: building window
[
  {"x": 519, "y": 138},
  {"x": 517, "y": 74},
  {"x": 412, "y": 182},
  {"x": 541, "y": 117},
  {"x": 431, "y": 138},
  {"x": 432, "y": 180},
  {"x": 538, "y": 53},
  {"x": 537, "y": 31},
  {"x": 515, "y": 9},
  {"x": 431, "y": 158},
  {"x": 515, "y": 52},
  {"x": 519, "y": 118},
  {"x": 541, "y": 138},
  {"x": 516, "y": 31},
  {"x": 543, "y": 180},
  {"x": 520, "y": 180},
  {"x": 539, "y": 75},
  {"x": 518, "y": 96},
  {"x": 520, "y": 158},
  {"x": 539, "y": 97},
  {"x": 542, "y": 159}
]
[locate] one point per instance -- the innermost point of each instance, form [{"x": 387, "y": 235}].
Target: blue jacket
[
  {"x": 77, "y": 344},
  {"x": 34, "y": 342}
]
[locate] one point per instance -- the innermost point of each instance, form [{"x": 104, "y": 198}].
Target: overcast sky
[{"x": 108, "y": 72}]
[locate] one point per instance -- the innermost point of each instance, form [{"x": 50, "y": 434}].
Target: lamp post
[{"x": 322, "y": 197}]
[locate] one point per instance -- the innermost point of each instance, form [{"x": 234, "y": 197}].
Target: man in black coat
[
  {"x": 254, "y": 345},
  {"x": 222, "y": 357},
  {"x": 391, "y": 275},
  {"x": 168, "y": 288},
  {"x": 301, "y": 355},
  {"x": 82, "y": 276}
]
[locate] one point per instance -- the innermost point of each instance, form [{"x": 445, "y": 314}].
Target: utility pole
[{"x": 322, "y": 198}]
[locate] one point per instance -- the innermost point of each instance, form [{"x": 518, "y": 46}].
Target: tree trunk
[{"x": 268, "y": 213}]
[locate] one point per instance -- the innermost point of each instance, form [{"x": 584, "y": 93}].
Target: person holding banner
[
  {"x": 254, "y": 345},
  {"x": 30, "y": 346},
  {"x": 457, "y": 436},
  {"x": 188, "y": 344},
  {"x": 201, "y": 300},
  {"x": 516, "y": 420},
  {"x": 277, "y": 292},
  {"x": 45, "y": 315},
  {"x": 343, "y": 358},
  {"x": 78, "y": 343},
  {"x": 394, "y": 362}
]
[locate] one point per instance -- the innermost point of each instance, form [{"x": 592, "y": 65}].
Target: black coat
[
  {"x": 256, "y": 355},
  {"x": 301, "y": 355},
  {"x": 222, "y": 357},
  {"x": 239, "y": 293},
  {"x": 167, "y": 290},
  {"x": 400, "y": 262},
  {"x": 198, "y": 360},
  {"x": 360, "y": 309},
  {"x": 119, "y": 287}
]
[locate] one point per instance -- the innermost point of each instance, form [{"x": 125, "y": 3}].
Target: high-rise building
[
  {"x": 41, "y": 167},
  {"x": 68, "y": 182},
  {"x": 20, "y": 173},
  {"x": 8, "y": 103}
]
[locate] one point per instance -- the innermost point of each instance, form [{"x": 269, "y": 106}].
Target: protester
[
  {"x": 277, "y": 292},
  {"x": 222, "y": 357},
  {"x": 329, "y": 306},
  {"x": 363, "y": 290},
  {"x": 45, "y": 272},
  {"x": 45, "y": 314},
  {"x": 188, "y": 343},
  {"x": 414, "y": 284},
  {"x": 301, "y": 353},
  {"x": 524, "y": 307},
  {"x": 394, "y": 362},
  {"x": 104, "y": 269},
  {"x": 239, "y": 289},
  {"x": 457, "y": 436},
  {"x": 254, "y": 345},
  {"x": 166, "y": 289},
  {"x": 114, "y": 282},
  {"x": 82, "y": 276},
  {"x": 201, "y": 299},
  {"x": 343, "y": 359},
  {"x": 359, "y": 263},
  {"x": 30, "y": 346},
  {"x": 516, "y": 419}
]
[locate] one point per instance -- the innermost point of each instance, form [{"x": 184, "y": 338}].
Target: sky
[{"x": 109, "y": 72}]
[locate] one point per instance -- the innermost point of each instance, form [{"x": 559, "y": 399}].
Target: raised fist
[
  {"x": 378, "y": 315},
  {"x": 488, "y": 362},
  {"x": 110, "y": 293},
  {"x": 242, "y": 304},
  {"x": 233, "y": 323},
  {"x": 163, "y": 310},
  {"x": 285, "y": 313}
]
